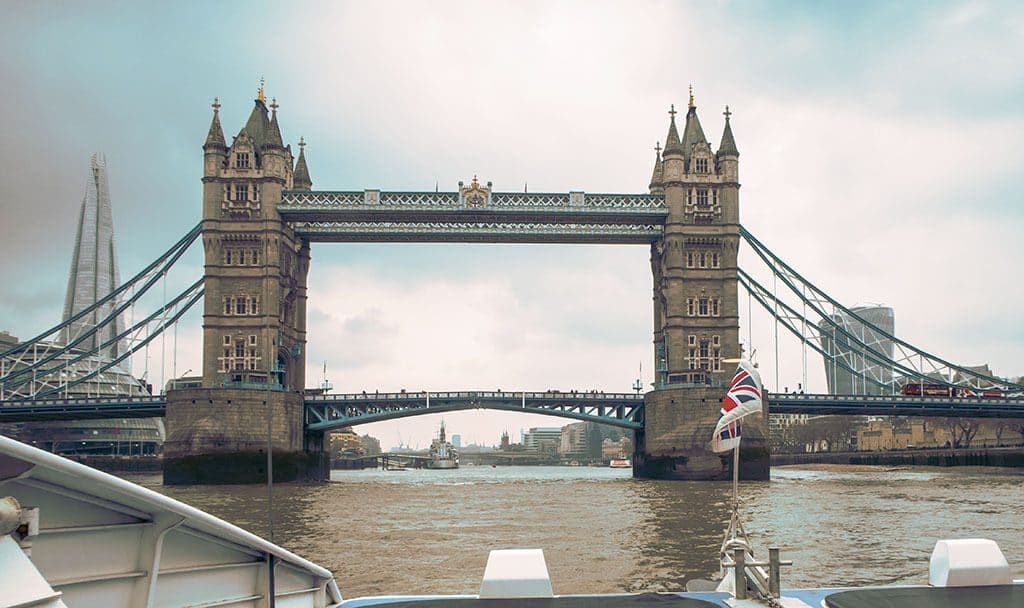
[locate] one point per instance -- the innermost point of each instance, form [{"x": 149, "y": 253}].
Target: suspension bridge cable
[
  {"x": 195, "y": 298},
  {"x": 185, "y": 242},
  {"x": 775, "y": 263},
  {"x": 61, "y": 349},
  {"x": 121, "y": 336}
]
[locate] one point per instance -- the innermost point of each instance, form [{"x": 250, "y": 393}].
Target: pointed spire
[
  {"x": 94, "y": 272},
  {"x": 692, "y": 131},
  {"x": 300, "y": 177},
  {"x": 216, "y": 135},
  {"x": 658, "y": 174},
  {"x": 258, "y": 125},
  {"x": 274, "y": 131},
  {"x": 728, "y": 145},
  {"x": 672, "y": 144}
]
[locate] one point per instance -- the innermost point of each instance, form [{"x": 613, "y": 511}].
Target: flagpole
[{"x": 736, "y": 477}]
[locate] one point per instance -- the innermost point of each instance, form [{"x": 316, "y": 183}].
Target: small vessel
[
  {"x": 442, "y": 454},
  {"x": 620, "y": 463}
]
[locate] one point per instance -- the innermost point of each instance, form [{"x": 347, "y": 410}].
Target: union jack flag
[{"x": 743, "y": 397}]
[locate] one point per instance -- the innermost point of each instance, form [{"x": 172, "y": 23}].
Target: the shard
[{"x": 93, "y": 273}]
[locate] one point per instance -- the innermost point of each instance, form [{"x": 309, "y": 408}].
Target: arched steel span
[{"x": 328, "y": 412}]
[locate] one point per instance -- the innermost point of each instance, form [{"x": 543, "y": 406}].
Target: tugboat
[{"x": 442, "y": 454}]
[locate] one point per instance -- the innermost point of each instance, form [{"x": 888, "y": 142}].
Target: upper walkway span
[{"x": 626, "y": 410}]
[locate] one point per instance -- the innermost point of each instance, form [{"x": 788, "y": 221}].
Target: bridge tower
[
  {"x": 696, "y": 309},
  {"x": 254, "y": 318}
]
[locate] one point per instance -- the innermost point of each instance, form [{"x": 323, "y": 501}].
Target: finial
[
  {"x": 657, "y": 147},
  {"x": 302, "y": 144},
  {"x": 476, "y": 184},
  {"x": 672, "y": 112},
  {"x": 691, "y": 97},
  {"x": 215, "y": 105},
  {"x": 273, "y": 105},
  {"x": 259, "y": 94},
  {"x": 727, "y": 113}
]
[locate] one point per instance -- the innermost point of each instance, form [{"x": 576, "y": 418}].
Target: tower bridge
[{"x": 260, "y": 215}]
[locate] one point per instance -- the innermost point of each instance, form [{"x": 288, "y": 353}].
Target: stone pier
[
  {"x": 676, "y": 440},
  {"x": 220, "y": 436}
]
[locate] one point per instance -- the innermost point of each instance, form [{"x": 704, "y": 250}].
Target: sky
[{"x": 881, "y": 146}]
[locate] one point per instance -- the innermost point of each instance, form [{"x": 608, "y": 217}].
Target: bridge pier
[
  {"x": 676, "y": 440},
  {"x": 219, "y": 436}
]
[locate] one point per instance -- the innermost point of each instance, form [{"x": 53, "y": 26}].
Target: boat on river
[
  {"x": 74, "y": 536},
  {"x": 620, "y": 463},
  {"x": 443, "y": 455}
]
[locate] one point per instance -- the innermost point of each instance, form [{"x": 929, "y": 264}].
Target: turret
[
  {"x": 215, "y": 149},
  {"x": 656, "y": 175},
  {"x": 728, "y": 155},
  {"x": 300, "y": 177},
  {"x": 672, "y": 157}
]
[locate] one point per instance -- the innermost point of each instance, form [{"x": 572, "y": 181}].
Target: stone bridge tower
[
  {"x": 254, "y": 318},
  {"x": 696, "y": 310}
]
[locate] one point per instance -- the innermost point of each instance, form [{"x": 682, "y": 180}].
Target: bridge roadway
[{"x": 332, "y": 411}]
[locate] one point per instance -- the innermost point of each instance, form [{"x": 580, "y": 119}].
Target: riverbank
[{"x": 942, "y": 457}]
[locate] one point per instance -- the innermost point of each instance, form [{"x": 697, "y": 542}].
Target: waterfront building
[
  {"x": 456, "y": 441},
  {"x": 843, "y": 350},
  {"x": 573, "y": 439},
  {"x": 542, "y": 439}
]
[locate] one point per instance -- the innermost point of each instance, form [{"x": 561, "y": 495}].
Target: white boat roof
[{"x": 122, "y": 532}]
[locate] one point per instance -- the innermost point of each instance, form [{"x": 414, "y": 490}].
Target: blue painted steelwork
[
  {"x": 896, "y": 405},
  {"x": 542, "y": 217},
  {"x": 83, "y": 409},
  {"x": 327, "y": 412}
]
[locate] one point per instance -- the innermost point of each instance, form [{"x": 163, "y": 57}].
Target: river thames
[{"x": 422, "y": 532}]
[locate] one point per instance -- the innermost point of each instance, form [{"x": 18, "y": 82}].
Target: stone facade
[
  {"x": 696, "y": 311},
  {"x": 224, "y": 430},
  {"x": 254, "y": 318},
  {"x": 696, "y": 316},
  {"x": 676, "y": 440}
]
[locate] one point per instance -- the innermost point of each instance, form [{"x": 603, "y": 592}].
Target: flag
[
  {"x": 743, "y": 397},
  {"x": 726, "y": 439}
]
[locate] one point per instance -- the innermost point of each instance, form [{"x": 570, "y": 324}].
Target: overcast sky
[{"x": 881, "y": 150}]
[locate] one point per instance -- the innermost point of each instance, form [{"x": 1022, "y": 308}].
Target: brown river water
[{"x": 425, "y": 532}]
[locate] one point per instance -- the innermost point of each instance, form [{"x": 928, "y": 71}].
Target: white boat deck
[{"x": 106, "y": 542}]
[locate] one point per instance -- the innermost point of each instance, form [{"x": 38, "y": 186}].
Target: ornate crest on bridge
[{"x": 474, "y": 196}]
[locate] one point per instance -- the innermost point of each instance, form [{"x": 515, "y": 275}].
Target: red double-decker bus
[{"x": 936, "y": 389}]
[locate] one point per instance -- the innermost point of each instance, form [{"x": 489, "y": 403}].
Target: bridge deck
[{"x": 325, "y": 412}]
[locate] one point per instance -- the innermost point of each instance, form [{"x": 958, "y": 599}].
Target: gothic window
[
  {"x": 714, "y": 197},
  {"x": 254, "y": 306},
  {"x": 255, "y": 257},
  {"x": 714, "y": 306},
  {"x": 227, "y": 340},
  {"x": 242, "y": 160},
  {"x": 692, "y": 340},
  {"x": 702, "y": 307},
  {"x": 702, "y": 197},
  {"x": 702, "y": 165},
  {"x": 689, "y": 259},
  {"x": 256, "y": 192},
  {"x": 689, "y": 307},
  {"x": 241, "y": 193},
  {"x": 703, "y": 259},
  {"x": 240, "y": 354},
  {"x": 227, "y": 305},
  {"x": 252, "y": 339},
  {"x": 240, "y": 306},
  {"x": 715, "y": 263}
]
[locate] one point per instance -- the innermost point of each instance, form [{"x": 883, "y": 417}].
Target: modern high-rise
[
  {"x": 93, "y": 276},
  {"x": 853, "y": 349}
]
